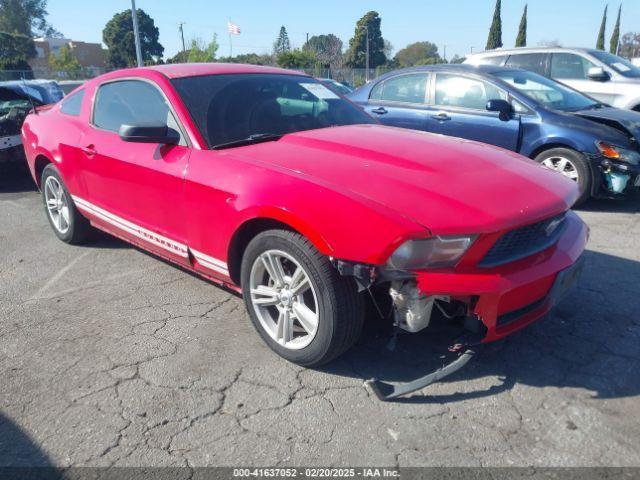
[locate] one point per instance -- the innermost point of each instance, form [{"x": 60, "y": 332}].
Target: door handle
[
  {"x": 379, "y": 111},
  {"x": 89, "y": 151},
  {"x": 442, "y": 117}
]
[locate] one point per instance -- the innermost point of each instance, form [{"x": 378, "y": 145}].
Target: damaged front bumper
[
  {"x": 510, "y": 297},
  {"x": 618, "y": 178}
]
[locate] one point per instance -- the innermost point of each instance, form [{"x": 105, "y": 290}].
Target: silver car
[{"x": 606, "y": 77}]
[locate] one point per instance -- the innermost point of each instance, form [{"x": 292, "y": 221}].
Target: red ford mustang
[{"x": 267, "y": 182}]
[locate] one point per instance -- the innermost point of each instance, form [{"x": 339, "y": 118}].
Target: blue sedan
[{"x": 590, "y": 142}]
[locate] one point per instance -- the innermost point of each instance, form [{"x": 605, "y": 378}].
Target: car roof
[
  {"x": 511, "y": 51},
  {"x": 448, "y": 67},
  {"x": 179, "y": 70}
]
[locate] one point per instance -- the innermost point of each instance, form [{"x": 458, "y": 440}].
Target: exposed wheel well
[
  {"x": 39, "y": 164},
  {"x": 636, "y": 108},
  {"x": 243, "y": 236},
  {"x": 549, "y": 146}
]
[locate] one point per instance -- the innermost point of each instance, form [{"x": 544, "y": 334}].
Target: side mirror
[
  {"x": 598, "y": 74},
  {"x": 149, "y": 134},
  {"x": 503, "y": 107}
]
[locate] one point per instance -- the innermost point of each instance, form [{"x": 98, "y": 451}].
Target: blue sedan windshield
[{"x": 546, "y": 92}]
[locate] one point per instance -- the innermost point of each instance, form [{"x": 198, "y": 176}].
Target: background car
[
  {"x": 17, "y": 99},
  {"x": 266, "y": 181},
  {"x": 606, "y": 77},
  {"x": 336, "y": 86},
  {"x": 587, "y": 141}
]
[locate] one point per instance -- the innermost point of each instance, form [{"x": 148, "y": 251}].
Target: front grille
[{"x": 524, "y": 241}]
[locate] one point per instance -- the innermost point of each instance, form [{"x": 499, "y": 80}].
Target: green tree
[
  {"x": 15, "y": 50},
  {"x": 180, "y": 57},
  {"x": 418, "y": 53},
  {"x": 600, "y": 41},
  {"x": 297, "y": 59},
  {"x": 26, "y": 17},
  {"x": 119, "y": 39},
  {"x": 250, "y": 58},
  {"x": 201, "y": 52},
  {"x": 66, "y": 63},
  {"x": 521, "y": 39},
  {"x": 326, "y": 48},
  {"x": 615, "y": 36},
  {"x": 357, "y": 52},
  {"x": 282, "y": 44},
  {"x": 456, "y": 59},
  {"x": 495, "y": 32},
  {"x": 629, "y": 45}
]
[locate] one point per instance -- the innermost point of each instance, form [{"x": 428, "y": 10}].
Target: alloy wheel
[
  {"x": 57, "y": 205},
  {"x": 562, "y": 165},
  {"x": 284, "y": 299}
]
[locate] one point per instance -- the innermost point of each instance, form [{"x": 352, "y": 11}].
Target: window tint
[
  {"x": 569, "y": 66},
  {"x": 130, "y": 102},
  {"x": 227, "y": 108},
  {"x": 73, "y": 104},
  {"x": 404, "y": 88},
  {"x": 464, "y": 92},
  {"x": 533, "y": 62}
]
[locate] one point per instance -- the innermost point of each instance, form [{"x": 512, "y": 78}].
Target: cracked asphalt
[{"x": 109, "y": 356}]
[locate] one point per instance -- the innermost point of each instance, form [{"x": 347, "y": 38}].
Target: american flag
[{"x": 233, "y": 28}]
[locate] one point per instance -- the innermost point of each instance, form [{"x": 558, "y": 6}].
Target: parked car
[
  {"x": 17, "y": 98},
  {"x": 266, "y": 181},
  {"x": 564, "y": 130},
  {"x": 606, "y": 77},
  {"x": 336, "y": 86}
]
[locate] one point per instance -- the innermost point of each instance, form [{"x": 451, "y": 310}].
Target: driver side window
[
  {"x": 132, "y": 102},
  {"x": 569, "y": 66}
]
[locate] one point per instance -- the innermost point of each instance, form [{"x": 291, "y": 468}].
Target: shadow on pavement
[
  {"x": 590, "y": 341},
  {"x": 15, "y": 178},
  {"x": 19, "y": 451}
]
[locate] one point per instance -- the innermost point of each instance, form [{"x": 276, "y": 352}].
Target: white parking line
[{"x": 58, "y": 275}]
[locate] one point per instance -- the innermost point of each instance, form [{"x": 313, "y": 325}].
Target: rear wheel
[
  {"x": 572, "y": 165},
  {"x": 302, "y": 308},
  {"x": 65, "y": 219}
]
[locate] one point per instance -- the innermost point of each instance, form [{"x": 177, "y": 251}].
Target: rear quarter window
[
  {"x": 534, "y": 62},
  {"x": 73, "y": 104}
]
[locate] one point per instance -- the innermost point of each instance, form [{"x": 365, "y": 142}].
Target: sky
[{"x": 457, "y": 24}]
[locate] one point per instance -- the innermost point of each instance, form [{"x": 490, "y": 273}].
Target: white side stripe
[
  {"x": 211, "y": 263},
  {"x": 151, "y": 237}
]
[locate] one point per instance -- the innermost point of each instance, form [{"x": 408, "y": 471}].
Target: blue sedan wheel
[{"x": 572, "y": 165}]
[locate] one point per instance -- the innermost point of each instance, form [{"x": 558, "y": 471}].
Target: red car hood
[{"x": 446, "y": 184}]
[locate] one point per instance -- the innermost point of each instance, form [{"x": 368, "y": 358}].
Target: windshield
[
  {"x": 621, "y": 65},
  {"x": 546, "y": 92},
  {"x": 230, "y": 108}
]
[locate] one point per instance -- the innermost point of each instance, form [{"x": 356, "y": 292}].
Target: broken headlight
[
  {"x": 434, "y": 252},
  {"x": 617, "y": 153}
]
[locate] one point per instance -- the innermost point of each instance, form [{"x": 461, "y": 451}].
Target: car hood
[
  {"x": 625, "y": 121},
  {"x": 448, "y": 185}
]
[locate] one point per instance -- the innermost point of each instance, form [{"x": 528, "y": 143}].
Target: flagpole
[{"x": 230, "y": 40}]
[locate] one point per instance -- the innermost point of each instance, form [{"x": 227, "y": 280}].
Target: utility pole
[
  {"x": 182, "y": 35},
  {"x": 307, "y": 39},
  {"x": 444, "y": 53},
  {"x": 136, "y": 34},
  {"x": 472, "y": 49},
  {"x": 366, "y": 75}
]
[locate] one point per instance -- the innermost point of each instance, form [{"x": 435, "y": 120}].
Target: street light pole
[
  {"x": 182, "y": 35},
  {"x": 366, "y": 74},
  {"x": 136, "y": 34}
]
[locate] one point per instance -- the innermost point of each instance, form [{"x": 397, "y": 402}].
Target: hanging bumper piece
[{"x": 386, "y": 391}]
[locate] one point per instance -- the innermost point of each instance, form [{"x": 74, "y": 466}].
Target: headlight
[
  {"x": 430, "y": 252},
  {"x": 617, "y": 153}
]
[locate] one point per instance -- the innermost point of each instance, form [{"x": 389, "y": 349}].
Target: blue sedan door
[
  {"x": 459, "y": 109},
  {"x": 400, "y": 101}
]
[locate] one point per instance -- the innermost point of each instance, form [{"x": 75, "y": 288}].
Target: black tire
[
  {"x": 341, "y": 307},
  {"x": 581, "y": 164},
  {"x": 79, "y": 227}
]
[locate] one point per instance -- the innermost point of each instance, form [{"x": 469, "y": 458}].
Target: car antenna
[{"x": 33, "y": 105}]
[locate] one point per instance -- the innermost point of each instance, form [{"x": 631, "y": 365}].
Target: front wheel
[
  {"x": 302, "y": 308},
  {"x": 572, "y": 165}
]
